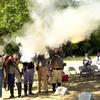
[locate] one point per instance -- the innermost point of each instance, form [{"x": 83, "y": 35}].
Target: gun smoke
[{"x": 52, "y": 27}]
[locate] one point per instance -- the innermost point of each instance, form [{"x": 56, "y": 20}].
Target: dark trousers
[{"x": 11, "y": 80}]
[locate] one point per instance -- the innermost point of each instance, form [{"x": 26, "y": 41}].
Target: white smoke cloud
[{"x": 53, "y": 27}]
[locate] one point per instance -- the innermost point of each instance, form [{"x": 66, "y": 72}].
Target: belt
[{"x": 57, "y": 68}]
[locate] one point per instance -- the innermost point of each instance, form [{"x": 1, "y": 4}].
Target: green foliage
[
  {"x": 95, "y": 41},
  {"x": 13, "y": 14},
  {"x": 68, "y": 49},
  {"x": 84, "y": 47},
  {"x": 91, "y": 46},
  {"x": 11, "y": 48}
]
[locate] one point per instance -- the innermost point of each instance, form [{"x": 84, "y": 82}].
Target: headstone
[
  {"x": 85, "y": 96},
  {"x": 61, "y": 90}
]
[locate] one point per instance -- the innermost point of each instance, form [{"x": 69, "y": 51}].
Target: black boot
[
  {"x": 30, "y": 89},
  {"x": 58, "y": 84},
  {"x": 54, "y": 87},
  {"x": 25, "y": 90},
  {"x": 5, "y": 86},
  {"x": 11, "y": 91},
  {"x": 19, "y": 86}
]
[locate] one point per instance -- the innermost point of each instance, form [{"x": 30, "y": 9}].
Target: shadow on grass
[
  {"x": 88, "y": 86},
  {"x": 74, "y": 88}
]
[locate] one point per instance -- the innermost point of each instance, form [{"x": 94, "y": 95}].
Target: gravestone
[
  {"x": 61, "y": 90},
  {"x": 85, "y": 96}
]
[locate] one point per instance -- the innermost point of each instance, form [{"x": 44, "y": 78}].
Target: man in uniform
[
  {"x": 5, "y": 65},
  {"x": 42, "y": 73},
  {"x": 11, "y": 76},
  {"x": 17, "y": 74},
  {"x": 28, "y": 73},
  {"x": 57, "y": 71}
]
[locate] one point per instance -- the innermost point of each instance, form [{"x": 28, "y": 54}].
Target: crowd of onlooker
[{"x": 88, "y": 61}]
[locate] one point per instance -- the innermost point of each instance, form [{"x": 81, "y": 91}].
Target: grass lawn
[{"x": 76, "y": 58}]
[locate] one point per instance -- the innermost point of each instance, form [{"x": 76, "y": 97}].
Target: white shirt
[{"x": 97, "y": 61}]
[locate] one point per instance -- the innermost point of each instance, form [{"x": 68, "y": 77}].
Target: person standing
[
  {"x": 31, "y": 76},
  {"x": 28, "y": 73},
  {"x": 11, "y": 76},
  {"x": 5, "y": 68},
  {"x": 42, "y": 73},
  {"x": 57, "y": 71},
  {"x": 17, "y": 74},
  {"x": 97, "y": 60},
  {"x": 87, "y": 61},
  {"x": 1, "y": 75}
]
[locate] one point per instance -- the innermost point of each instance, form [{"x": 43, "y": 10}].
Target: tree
[
  {"x": 67, "y": 48},
  {"x": 75, "y": 48},
  {"x": 84, "y": 47},
  {"x": 11, "y": 48},
  {"x": 13, "y": 14},
  {"x": 95, "y": 41}
]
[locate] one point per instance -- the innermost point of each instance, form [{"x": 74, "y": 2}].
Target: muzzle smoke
[{"x": 52, "y": 27}]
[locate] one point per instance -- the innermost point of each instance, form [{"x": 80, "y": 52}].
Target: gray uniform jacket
[{"x": 56, "y": 62}]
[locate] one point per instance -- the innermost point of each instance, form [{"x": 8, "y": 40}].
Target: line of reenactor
[
  {"x": 13, "y": 75},
  {"x": 46, "y": 67}
]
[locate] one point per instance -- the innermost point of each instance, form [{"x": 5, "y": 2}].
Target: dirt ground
[{"x": 74, "y": 89}]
